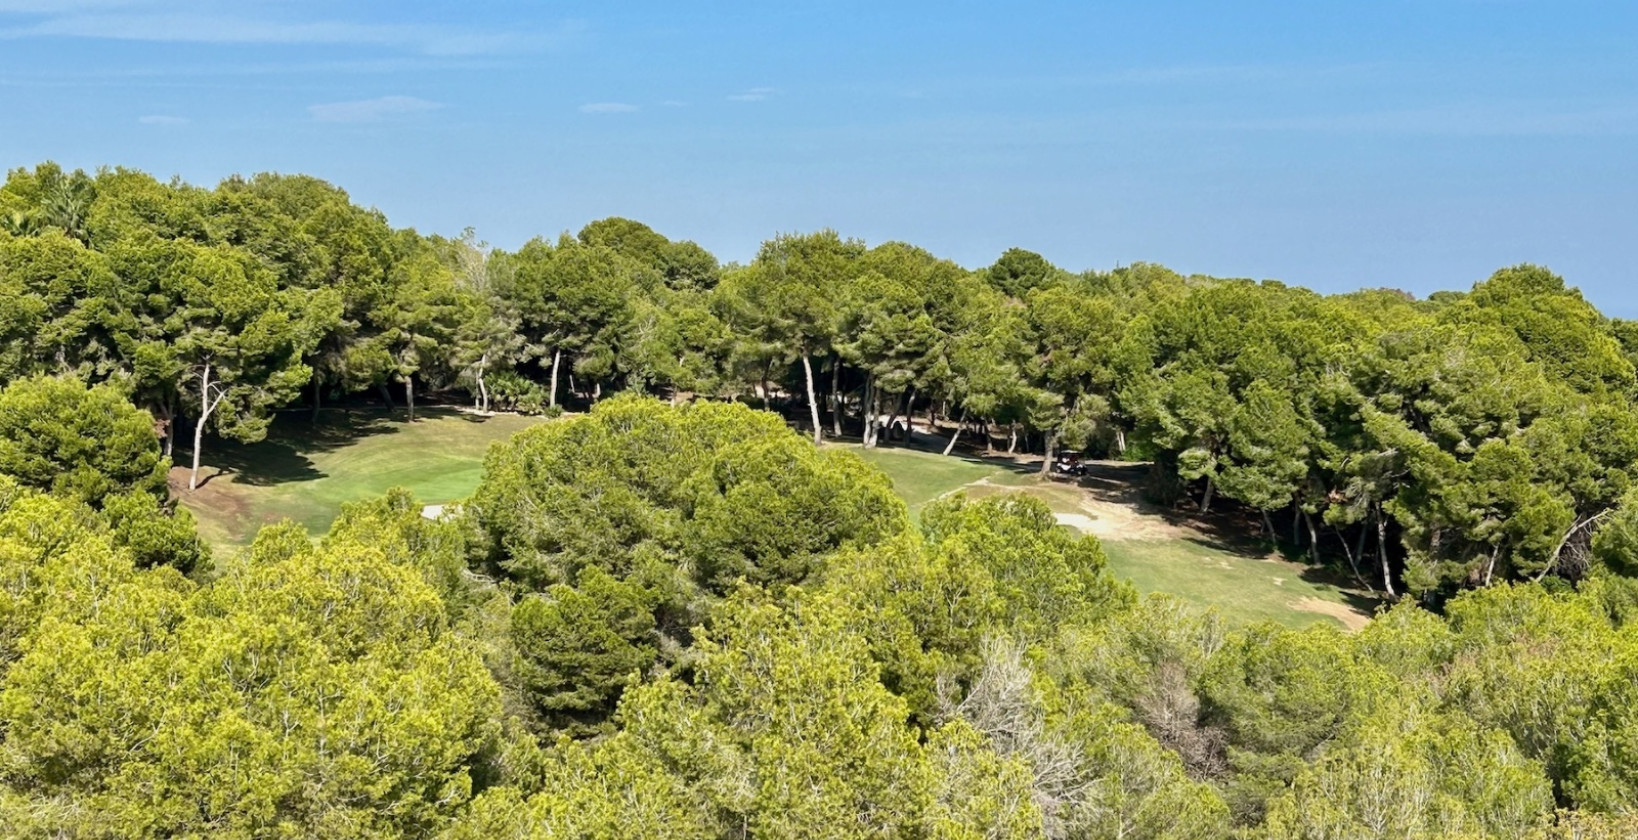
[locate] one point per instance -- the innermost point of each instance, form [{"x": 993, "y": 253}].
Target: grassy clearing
[
  {"x": 1154, "y": 550},
  {"x": 1243, "y": 587},
  {"x": 920, "y": 477},
  {"x": 305, "y": 472}
]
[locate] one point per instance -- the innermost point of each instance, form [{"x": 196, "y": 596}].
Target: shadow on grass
[{"x": 283, "y": 457}]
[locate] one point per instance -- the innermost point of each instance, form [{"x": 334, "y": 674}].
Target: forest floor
[
  {"x": 1214, "y": 561},
  {"x": 305, "y": 471}
]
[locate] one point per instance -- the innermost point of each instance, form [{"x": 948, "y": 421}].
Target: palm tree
[
  {"x": 64, "y": 207},
  {"x": 19, "y": 223}
]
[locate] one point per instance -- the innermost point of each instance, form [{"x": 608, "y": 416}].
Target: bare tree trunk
[
  {"x": 836, "y": 397},
  {"x": 1268, "y": 526},
  {"x": 894, "y": 416},
  {"x": 1353, "y": 562},
  {"x": 386, "y": 395},
  {"x": 1051, "y": 444},
  {"x": 767, "y": 402},
  {"x": 1205, "y": 501},
  {"x": 597, "y": 390},
  {"x": 1313, "y": 536},
  {"x": 167, "y": 416},
  {"x": 813, "y": 401},
  {"x": 1552, "y": 562},
  {"x": 557, "y": 359},
  {"x": 872, "y": 402},
  {"x": 1012, "y": 438},
  {"x": 1382, "y": 552},
  {"x": 1296, "y": 520},
  {"x": 1120, "y": 441},
  {"x": 409, "y": 394},
  {"x": 206, "y": 406},
  {"x": 956, "y": 435},
  {"x": 318, "y": 394}
]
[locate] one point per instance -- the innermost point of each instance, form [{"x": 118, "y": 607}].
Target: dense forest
[{"x": 672, "y": 615}]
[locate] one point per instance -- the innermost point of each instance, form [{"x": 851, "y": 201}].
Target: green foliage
[
  {"x": 1019, "y": 272},
  {"x": 726, "y": 631},
  {"x": 317, "y": 692},
  {"x": 633, "y": 519},
  {"x": 579, "y": 648},
  {"x": 57, "y": 434}
]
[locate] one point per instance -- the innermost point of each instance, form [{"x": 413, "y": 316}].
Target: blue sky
[{"x": 1418, "y": 145}]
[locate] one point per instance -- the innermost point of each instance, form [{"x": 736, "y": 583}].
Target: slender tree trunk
[
  {"x": 1012, "y": 438},
  {"x": 1205, "y": 501},
  {"x": 767, "y": 392},
  {"x": 1120, "y": 441},
  {"x": 1490, "y": 567},
  {"x": 205, "y": 407},
  {"x": 168, "y": 417},
  {"x": 318, "y": 394},
  {"x": 872, "y": 400},
  {"x": 409, "y": 394},
  {"x": 1353, "y": 562},
  {"x": 557, "y": 359},
  {"x": 894, "y": 415},
  {"x": 1051, "y": 444},
  {"x": 483, "y": 390},
  {"x": 836, "y": 397},
  {"x": 1313, "y": 536},
  {"x": 597, "y": 390},
  {"x": 1382, "y": 552},
  {"x": 813, "y": 401},
  {"x": 386, "y": 395},
  {"x": 1268, "y": 526},
  {"x": 1296, "y": 520},
  {"x": 956, "y": 435}
]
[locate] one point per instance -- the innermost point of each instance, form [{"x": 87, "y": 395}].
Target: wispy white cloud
[
  {"x": 162, "y": 119},
  {"x": 147, "y": 20},
  {"x": 756, "y": 94},
  {"x": 61, "y": 6},
  {"x": 371, "y": 110}
]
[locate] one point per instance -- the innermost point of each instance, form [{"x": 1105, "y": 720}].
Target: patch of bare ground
[
  {"x": 1352, "y": 619},
  {"x": 1108, "y": 503}
]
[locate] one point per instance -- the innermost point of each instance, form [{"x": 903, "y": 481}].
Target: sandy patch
[
  {"x": 1117, "y": 518},
  {"x": 1351, "y": 618},
  {"x": 1078, "y": 521}
]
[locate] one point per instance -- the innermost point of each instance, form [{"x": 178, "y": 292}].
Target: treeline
[
  {"x": 1425, "y": 446},
  {"x": 689, "y": 622}
]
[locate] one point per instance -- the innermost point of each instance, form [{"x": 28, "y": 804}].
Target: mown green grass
[
  {"x": 1239, "y": 581},
  {"x": 1245, "y": 589},
  {"x": 305, "y": 472},
  {"x": 921, "y": 477}
]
